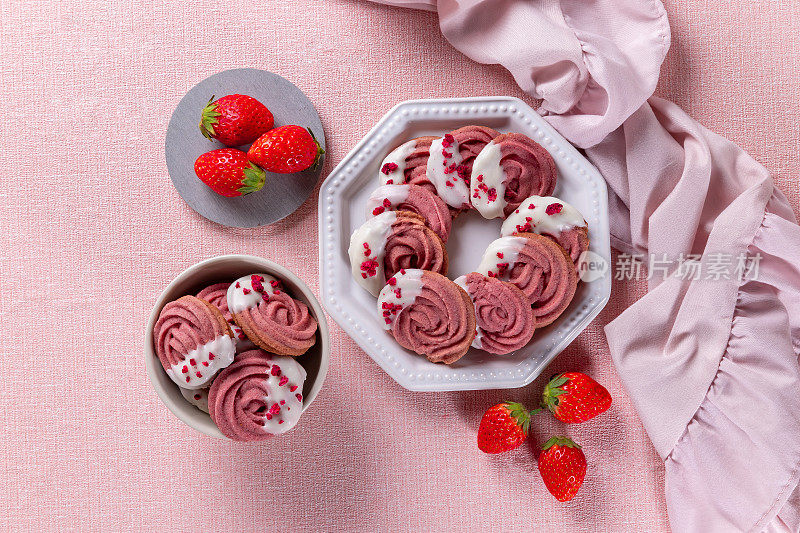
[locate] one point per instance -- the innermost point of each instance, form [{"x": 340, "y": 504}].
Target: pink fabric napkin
[{"x": 710, "y": 360}]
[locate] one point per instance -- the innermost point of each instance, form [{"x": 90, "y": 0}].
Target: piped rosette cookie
[
  {"x": 428, "y": 314},
  {"x": 407, "y": 163},
  {"x": 504, "y": 317},
  {"x": 450, "y": 163},
  {"x": 507, "y": 171},
  {"x": 217, "y": 295},
  {"x": 539, "y": 267},
  {"x": 551, "y": 217},
  {"x": 193, "y": 341},
  {"x": 258, "y": 396},
  {"x": 270, "y": 317},
  {"x": 391, "y": 241},
  {"x": 415, "y": 199}
]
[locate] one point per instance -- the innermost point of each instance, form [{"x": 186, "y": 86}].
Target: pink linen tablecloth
[{"x": 94, "y": 230}]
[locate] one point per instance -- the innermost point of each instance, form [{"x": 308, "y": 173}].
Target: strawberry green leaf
[
  {"x": 552, "y": 391},
  {"x": 520, "y": 414},
  {"x": 209, "y": 118},
  {"x": 253, "y": 181},
  {"x": 560, "y": 441}
]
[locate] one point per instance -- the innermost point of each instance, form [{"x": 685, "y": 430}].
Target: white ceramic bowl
[
  {"x": 227, "y": 268},
  {"x": 342, "y": 209}
]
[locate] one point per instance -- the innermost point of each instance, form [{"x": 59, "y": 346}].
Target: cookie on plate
[
  {"x": 391, "y": 241},
  {"x": 507, "y": 171},
  {"x": 407, "y": 163},
  {"x": 539, "y": 267},
  {"x": 414, "y": 199},
  {"x": 504, "y": 317},
  {"x": 428, "y": 314},
  {"x": 551, "y": 217}
]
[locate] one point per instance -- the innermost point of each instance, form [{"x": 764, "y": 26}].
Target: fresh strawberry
[
  {"x": 563, "y": 467},
  {"x": 503, "y": 427},
  {"x": 573, "y": 397},
  {"x": 228, "y": 172},
  {"x": 285, "y": 150},
  {"x": 235, "y": 119}
]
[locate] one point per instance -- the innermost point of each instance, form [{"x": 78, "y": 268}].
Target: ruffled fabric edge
[
  {"x": 736, "y": 461},
  {"x": 623, "y": 68}
]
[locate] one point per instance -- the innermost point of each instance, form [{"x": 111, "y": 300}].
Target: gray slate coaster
[{"x": 282, "y": 193}]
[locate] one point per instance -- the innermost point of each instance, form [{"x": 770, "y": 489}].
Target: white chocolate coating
[
  {"x": 487, "y": 185},
  {"x": 461, "y": 281},
  {"x": 398, "y": 157},
  {"x": 280, "y": 384},
  {"x": 503, "y": 251},
  {"x": 441, "y": 172},
  {"x": 241, "y": 294},
  {"x": 243, "y": 344},
  {"x": 536, "y": 220},
  {"x": 396, "y": 194},
  {"x": 198, "y": 398},
  {"x": 404, "y": 291},
  {"x": 202, "y": 364},
  {"x": 373, "y": 233}
]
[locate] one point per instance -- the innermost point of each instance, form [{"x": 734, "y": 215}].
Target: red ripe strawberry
[
  {"x": 235, "y": 119},
  {"x": 286, "y": 150},
  {"x": 228, "y": 172},
  {"x": 573, "y": 397},
  {"x": 563, "y": 467},
  {"x": 503, "y": 427}
]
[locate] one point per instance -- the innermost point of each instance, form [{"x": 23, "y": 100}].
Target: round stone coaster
[{"x": 282, "y": 193}]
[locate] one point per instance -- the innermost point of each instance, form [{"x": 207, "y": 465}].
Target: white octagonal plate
[{"x": 342, "y": 209}]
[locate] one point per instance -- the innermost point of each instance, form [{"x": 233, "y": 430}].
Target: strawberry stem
[{"x": 320, "y": 150}]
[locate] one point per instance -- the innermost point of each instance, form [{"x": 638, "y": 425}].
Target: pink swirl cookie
[
  {"x": 258, "y": 396},
  {"x": 503, "y": 314},
  {"x": 507, "y": 171},
  {"x": 551, "y": 217},
  {"x": 192, "y": 341},
  {"x": 269, "y": 317},
  {"x": 415, "y": 199},
  {"x": 406, "y": 164},
  {"x": 539, "y": 267},
  {"x": 389, "y": 242},
  {"x": 428, "y": 314}
]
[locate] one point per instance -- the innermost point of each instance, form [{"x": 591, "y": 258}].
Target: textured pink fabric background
[{"x": 93, "y": 229}]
